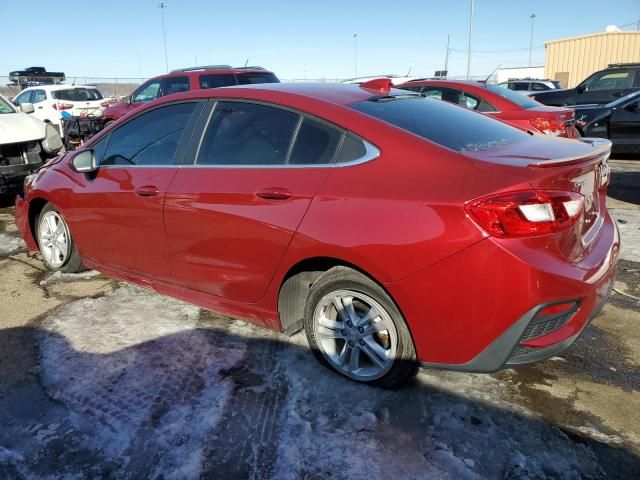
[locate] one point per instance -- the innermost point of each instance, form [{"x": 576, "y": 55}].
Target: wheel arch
[
  {"x": 35, "y": 207},
  {"x": 296, "y": 283}
]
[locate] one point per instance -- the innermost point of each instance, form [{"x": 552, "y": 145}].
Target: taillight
[
  {"x": 62, "y": 106},
  {"x": 548, "y": 127},
  {"x": 525, "y": 213}
]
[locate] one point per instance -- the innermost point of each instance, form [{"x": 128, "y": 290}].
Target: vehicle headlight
[{"x": 52, "y": 141}]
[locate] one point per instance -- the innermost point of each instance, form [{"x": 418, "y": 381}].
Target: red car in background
[
  {"x": 185, "y": 79},
  {"x": 501, "y": 103},
  {"x": 395, "y": 229}
]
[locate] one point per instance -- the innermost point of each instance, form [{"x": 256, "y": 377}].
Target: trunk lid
[{"x": 567, "y": 165}]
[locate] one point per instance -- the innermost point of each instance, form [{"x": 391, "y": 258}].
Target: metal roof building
[{"x": 571, "y": 60}]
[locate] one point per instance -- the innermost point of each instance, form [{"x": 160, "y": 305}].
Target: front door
[
  {"x": 231, "y": 215},
  {"x": 624, "y": 124},
  {"x": 117, "y": 216},
  {"x": 605, "y": 87}
]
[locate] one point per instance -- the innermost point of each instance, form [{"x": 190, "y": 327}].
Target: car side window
[
  {"x": 315, "y": 143},
  {"x": 150, "y": 139},
  {"x": 175, "y": 85},
  {"x": 636, "y": 80},
  {"x": 147, "y": 92},
  {"x": 352, "y": 149},
  {"x": 431, "y": 92},
  {"x": 618, "y": 80},
  {"x": 521, "y": 86},
  {"x": 539, "y": 87},
  {"x": 24, "y": 97},
  {"x": 38, "y": 96},
  {"x": 242, "y": 133},
  {"x": 217, "y": 80}
]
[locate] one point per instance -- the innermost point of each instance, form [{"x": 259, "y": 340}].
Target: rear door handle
[
  {"x": 273, "y": 193},
  {"x": 147, "y": 191}
]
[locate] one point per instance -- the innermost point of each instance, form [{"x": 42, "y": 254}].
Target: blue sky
[{"x": 296, "y": 39}]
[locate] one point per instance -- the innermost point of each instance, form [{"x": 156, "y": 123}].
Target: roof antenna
[
  {"x": 409, "y": 71},
  {"x": 491, "y": 74},
  {"x": 246, "y": 63}
]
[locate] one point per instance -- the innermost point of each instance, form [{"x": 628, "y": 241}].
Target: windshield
[
  {"x": 5, "y": 106},
  {"x": 626, "y": 98},
  {"x": 77, "y": 94},
  {"x": 448, "y": 125},
  {"x": 514, "y": 97}
]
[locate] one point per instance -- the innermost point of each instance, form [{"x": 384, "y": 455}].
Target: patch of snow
[
  {"x": 138, "y": 377},
  {"x": 10, "y": 244},
  {"x": 58, "y": 277},
  {"x": 628, "y": 222},
  {"x": 598, "y": 435}
]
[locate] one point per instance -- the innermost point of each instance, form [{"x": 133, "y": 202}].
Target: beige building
[{"x": 571, "y": 60}]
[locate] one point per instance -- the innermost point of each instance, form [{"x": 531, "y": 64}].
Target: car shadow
[
  {"x": 230, "y": 402},
  {"x": 7, "y": 200}
]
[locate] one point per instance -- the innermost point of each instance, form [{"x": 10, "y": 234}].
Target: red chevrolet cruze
[{"x": 395, "y": 229}]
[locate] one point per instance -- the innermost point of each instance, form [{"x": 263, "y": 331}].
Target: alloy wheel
[{"x": 54, "y": 239}]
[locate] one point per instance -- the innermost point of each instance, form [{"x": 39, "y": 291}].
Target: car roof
[
  {"x": 335, "y": 93},
  {"x": 211, "y": 71},
  {"x": 58, "y": 87}
]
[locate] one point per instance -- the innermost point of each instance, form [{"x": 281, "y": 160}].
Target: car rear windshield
[
  {"x": 77, "y": 94},
  {"x": 448, "y": 125},
  {"x": 519, "y": 99},
  {"x": 247, "y": 78}
]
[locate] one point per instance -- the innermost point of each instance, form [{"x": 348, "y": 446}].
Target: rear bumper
[{"x": 470, "y": 311}]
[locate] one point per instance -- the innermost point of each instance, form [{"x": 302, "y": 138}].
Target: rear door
[
  {"x": 231, "y": 214},
  {"x": 117, "y": 215},
  {"x": 624, "y": 124}
]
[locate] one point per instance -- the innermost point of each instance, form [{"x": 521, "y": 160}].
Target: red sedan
[
  {"x": 395, "y": 229},
  {"x": 501, "y": 103}
]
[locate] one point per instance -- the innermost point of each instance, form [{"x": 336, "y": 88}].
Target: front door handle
[
  {"x": 273, "y": 193},
  {"x": 616, "y": 94},
  {"x": 147, "y": 191}
]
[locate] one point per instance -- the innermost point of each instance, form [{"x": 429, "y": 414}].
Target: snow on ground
[
  {"x": 10, "y": 244},
  {"x": 59, "y": 277},
  {"x": 628, "y": 222},
  {"x": 141, "y": 383}
]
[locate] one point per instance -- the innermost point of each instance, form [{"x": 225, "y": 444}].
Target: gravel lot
[{"x": 100, "y": 379}]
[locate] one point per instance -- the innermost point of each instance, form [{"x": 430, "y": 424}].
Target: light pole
[
  {"x": 162, "y": 6},
  {"x": 469, "y": 46},
  {"x": 355, "y": 55},
  {"x": 532, "y": 17}
]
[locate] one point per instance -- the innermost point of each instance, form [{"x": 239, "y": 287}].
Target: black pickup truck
[{"x": 36, "y": 74}]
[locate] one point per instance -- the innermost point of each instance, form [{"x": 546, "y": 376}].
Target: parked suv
[
  {"x": 185, "y": 79},
  {"x": 52, "y": 103},
  {"x": 615, "y": 81},
  {"x": 528, "y": 85}
]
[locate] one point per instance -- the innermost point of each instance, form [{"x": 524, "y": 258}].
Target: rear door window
[
  {"x": 175, "y": 85},
  {"x": 217, "y": 80},
  {"x": 38, "y": 96},
  {"x": 150, "y": 139},
  {"x": 315, "y": 143},
  {"x": 247, "y": 134},
  {"x": 249, "y": 78},
  {"x": 455, "y": 128}
]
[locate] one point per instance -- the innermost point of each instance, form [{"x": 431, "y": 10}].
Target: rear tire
[
  {"x": 57, "y": 247},
  {"x": 354, "y": 327}
]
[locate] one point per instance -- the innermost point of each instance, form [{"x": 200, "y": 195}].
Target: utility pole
[
  {"x": 355, "y": 55},
  {"x": 162, "y": 6},
  {"x": 532, "y": 17},
  {"x": 446, "y": 57},
  {"x": 469, "y": 46}
]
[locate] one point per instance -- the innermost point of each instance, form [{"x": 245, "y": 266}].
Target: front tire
[
  {"x": 354, "y": 327},
  {"x": 55, "y": 242}
]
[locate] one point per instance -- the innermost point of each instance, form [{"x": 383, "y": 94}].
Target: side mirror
[
  {"x": 27, "y": 107},
  {"x": 581, "y": 88},
  {"x": 84, "y": 162}
]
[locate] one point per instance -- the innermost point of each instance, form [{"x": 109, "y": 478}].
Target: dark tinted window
[
  {"x": 315, "y": 143},
  {"x": 453, "y": 127},
  {"x": 247, "y": 134},
  {"x": 219, "y": 80},
  {"x": 539, "y": 87},
  {"x": 175, "y": 85},
  {"x": 352, "y": 149},
  {"x": 149, "y": 139},
  {"x": 522, "y": 86},
  {"x": 517, "y": 98},
  {"x": 77, "y": 94},
  {"x": 247, "y": 78}
]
